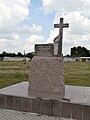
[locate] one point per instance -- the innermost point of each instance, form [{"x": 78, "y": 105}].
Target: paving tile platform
[
  {"x": 76, "y": 94},
  {"x": 15, "y": 115},
  {"x": 16, "y": 98}
]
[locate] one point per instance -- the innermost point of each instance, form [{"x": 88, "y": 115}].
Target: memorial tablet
[{"x": 45, "y": 50}]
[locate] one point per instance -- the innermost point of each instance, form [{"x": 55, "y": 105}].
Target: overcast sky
[{"x": 23, "y": 23}]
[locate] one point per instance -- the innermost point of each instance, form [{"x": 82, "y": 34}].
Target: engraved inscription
[{"x": 44, "y": 50}]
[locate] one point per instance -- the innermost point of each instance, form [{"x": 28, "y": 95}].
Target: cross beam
[{"x": 61, "y": 26}]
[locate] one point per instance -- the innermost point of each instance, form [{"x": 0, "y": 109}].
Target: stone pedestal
[{"x": 46, "y": 78}]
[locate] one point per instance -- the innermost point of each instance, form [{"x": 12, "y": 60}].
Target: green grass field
[
  {"x": 13, "y": 72},
  {"x": 75, "y": 73}
]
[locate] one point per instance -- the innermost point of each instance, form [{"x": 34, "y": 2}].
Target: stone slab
[
  {"x": 35, "y": 105},
  {"x": 1, "y": 101},
  {"x": 45, "y": 107},
  {"x": 56, "y": 108},
  {"x": 17, "y": 103},
  {"x": 8, "y": 102},
  {"x": 66, "y": 110},
  {"x": 20, "y": 89},
  {"x": 77, "y": 111},
  {"x": 26, "y": 104},
  {"x": 47, "y": 78},
  {"x": 86, "y": 113}
]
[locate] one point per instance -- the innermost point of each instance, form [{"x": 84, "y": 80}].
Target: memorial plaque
[{"x": 45, "y": 50}]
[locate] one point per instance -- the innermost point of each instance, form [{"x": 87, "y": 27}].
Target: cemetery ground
[{"x": 75, "y": 73}]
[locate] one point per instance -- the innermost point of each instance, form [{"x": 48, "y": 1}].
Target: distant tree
[
  {"x": 67, "y": 56},
  {"x": 1, "y": 55},
  {"x": 19, "y": 54},
  {"x": 85, "y": 52},
  {"x": 4, "y": 54},
  {"x": 79, "y": 52},
  {"x": 74, "y": 52},
  {"x": 30, "y": 55},
  {"x": 12, "y": 55}
]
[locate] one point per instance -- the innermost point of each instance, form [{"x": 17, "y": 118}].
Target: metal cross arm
[
  {"x": 58, "y": 25},
  {"x": 61, "y": 24}
]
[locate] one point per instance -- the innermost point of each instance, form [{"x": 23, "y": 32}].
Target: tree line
[
  {"x": 19, "y": 54},
  {"x": 75, "y": 52}
]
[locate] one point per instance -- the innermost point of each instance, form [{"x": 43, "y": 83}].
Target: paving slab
[
  {"x": 20, "y": 89},
  {"x": 78, "y": 94},
  {"x": 15, "y": 115}
]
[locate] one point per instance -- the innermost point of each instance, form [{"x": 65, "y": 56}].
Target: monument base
[
  {"x": 16, "y": 98},
  {"x": 47, "y": 78}
]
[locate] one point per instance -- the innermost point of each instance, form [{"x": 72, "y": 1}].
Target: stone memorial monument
[{"x": 46, "y": 78}]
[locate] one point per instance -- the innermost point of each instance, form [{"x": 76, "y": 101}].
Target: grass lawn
[
  {"x": 75, "y": 73},
  {"x": 13, "y": 72}
]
